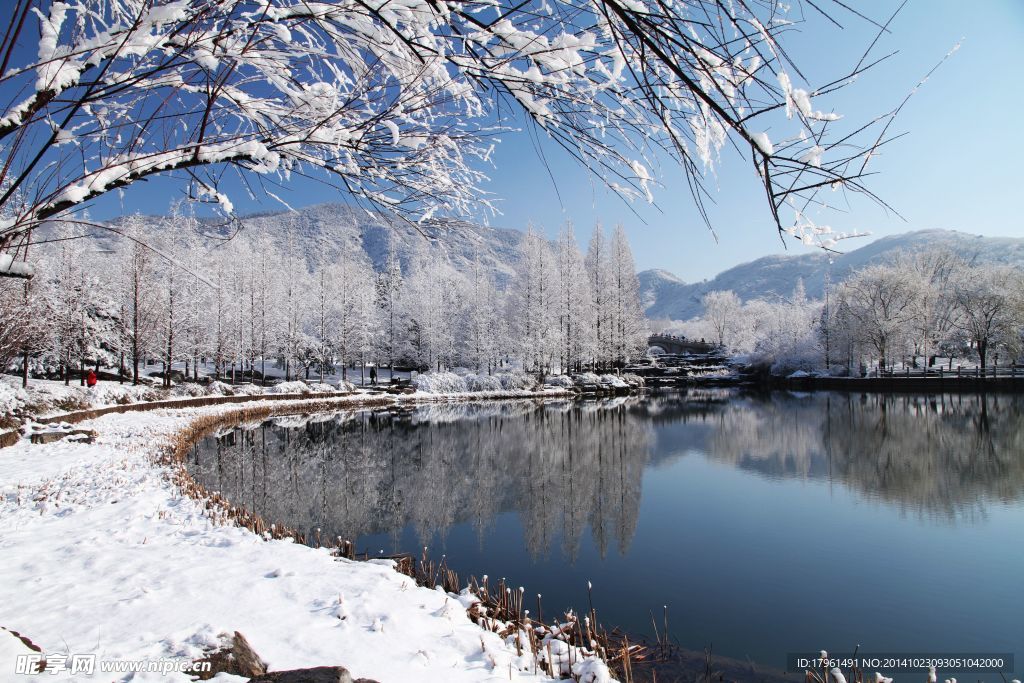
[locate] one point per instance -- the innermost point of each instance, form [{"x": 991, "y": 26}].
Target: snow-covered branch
[{"x": 398, "y": 102}]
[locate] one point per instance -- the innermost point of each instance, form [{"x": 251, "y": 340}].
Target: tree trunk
[{"x": 135, "y": 363}]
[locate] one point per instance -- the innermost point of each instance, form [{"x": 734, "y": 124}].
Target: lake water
[{"x": 768, "y": 524}]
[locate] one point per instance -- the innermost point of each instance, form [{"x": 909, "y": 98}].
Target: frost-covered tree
[
  {"x": 264, "y": 320},
  {"x": 574, "y": 304},
  {"x": 397, "y": 102},
  {"x": 882, "y": 302},
  {"x": 628, "y": 325},
  {"x": 291, "y": 280},
  {"x": 21, "y": 318},
  {"x": 324, "y": 313},
  {"x": 480, "y": 328},
  {"x": 389, "y": 290},
  {"x": 937, "y": 312},
  {"x": 722, "y": 313},
  {"x": 434, "y": 297},
  {"x": 353, "y": 293},
  {"x": 172, "y": 283},
  {"x": 532, "y": 304},
  {"x": 989, "y": 299},
  {"x": 600, "y": 277},
  {"x": 138, "y": 310}
]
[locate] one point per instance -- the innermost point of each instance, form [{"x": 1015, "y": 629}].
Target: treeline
[
  {"x": 914, "y": 309},
  {"x": 262, "y": 299}
]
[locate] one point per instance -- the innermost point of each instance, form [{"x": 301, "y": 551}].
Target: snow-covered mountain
[
  {"x": 664, "y": 295},
  {"x": 333, "y": 227},
  {"x": 667, "y": 296},
  {"x": 460, "y": 242}
]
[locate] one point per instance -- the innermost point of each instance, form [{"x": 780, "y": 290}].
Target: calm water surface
[{"x": 767, "y": 524}]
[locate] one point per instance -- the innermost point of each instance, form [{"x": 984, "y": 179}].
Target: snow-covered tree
[
  {"x": 21, "y": 315},
  {"x": 937, "y": 312},
  {"x": 989, "y": 299},
  {"x": 481, "y": 322},
  {"x": 722, "y": 312},
  {"x": 574, "y": 304},
  {"x": 433, "y": 297},
  {"x": 882, "y": 302},
  {"x": 532, "y": 304},
  {"x": 137, "y": 306},
  {"x": 600, "y": 277},
  {"x": 628, "y": 325},
  {"x": 354, "y": 296},
  {"x": 389, "y": 290},
  {"x": 396, "y": 102},
  {"x": 291, "y": 285}
]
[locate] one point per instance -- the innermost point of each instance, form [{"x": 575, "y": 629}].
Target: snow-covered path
[{"x": 100, "y": 554}]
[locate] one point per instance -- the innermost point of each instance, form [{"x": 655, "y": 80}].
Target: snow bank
[
  {"x": 101, "y": 554},
  {"x": 48, "y": 397}
]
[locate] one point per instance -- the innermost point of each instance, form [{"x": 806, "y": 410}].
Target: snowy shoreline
[{"x": 103, "y": 553}]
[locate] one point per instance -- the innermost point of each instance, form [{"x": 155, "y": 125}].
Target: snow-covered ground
[
  {"x": 101, "y": 554},
  {"x": 50, "y": 397}
]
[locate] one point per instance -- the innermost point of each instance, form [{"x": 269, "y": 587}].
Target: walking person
[
  {"x": 90, "y": 379},
  {"x": 373, "y": 375}
]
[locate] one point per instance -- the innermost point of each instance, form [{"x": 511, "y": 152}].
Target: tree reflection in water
[
  {"x": 940, "y": 456},
  {"x": 567, "y": 468},
  {"x": 564, "y": 467}
]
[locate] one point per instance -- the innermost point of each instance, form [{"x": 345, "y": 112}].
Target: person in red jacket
[{"x": 90, "y": 379}]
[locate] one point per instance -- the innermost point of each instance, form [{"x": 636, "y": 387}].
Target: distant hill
[
  {"x": 667, "y": 296},
  {"x": 663, "y": 294},
  {"x": 335, "y": 227}
]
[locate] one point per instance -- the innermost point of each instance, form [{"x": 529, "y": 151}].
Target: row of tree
[
  {"x": 913, "y": 309},
  {"x": 310, "y": 307}
]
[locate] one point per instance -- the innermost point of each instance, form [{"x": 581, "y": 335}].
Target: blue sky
[{"x": 957, "y": 167}]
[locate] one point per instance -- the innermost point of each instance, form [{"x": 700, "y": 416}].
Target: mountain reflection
[
  {"x": 569, "y": 468},
  {"x": 564, "y": 467}
]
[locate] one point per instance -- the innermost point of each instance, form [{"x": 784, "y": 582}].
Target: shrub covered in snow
[
  {"x": 482, "y": 383},
  {"x": 516, "y": 381},
  {"x": 248, "y": 389},
  {"x": 218, "y": 388},
  {"x": 634, "y": 380},
  {"x": 189, "y": 390},
  {"x": 586, "y": 378},
  {"x": 613, "y": 381},
  {"x": 562, "y": 381},
  {"x": 11, "y": 399},
  {"x": 451, "y": 383},
  {"x": 295, "y": 387},
  {"x": 439, "y": 383}
]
